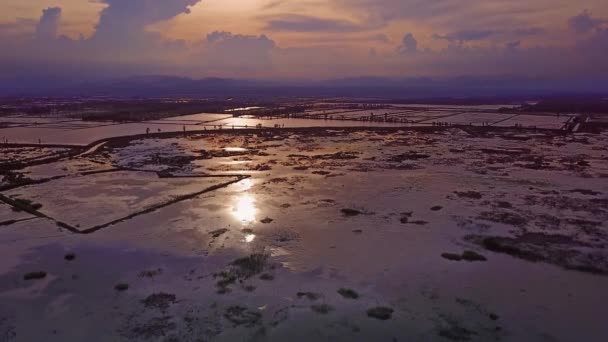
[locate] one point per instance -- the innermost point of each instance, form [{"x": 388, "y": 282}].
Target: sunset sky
[{"x": 309, "y": 39}]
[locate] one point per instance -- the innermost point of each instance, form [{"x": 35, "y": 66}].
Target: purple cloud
[
  {"x": 409, "y": 44},
  {"x": 584, "y": 23},
  {"x": 48, "y": 26}
]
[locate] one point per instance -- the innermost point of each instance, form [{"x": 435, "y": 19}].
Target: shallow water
[
  {"x": 75, "y": 132},
  {"x": 390, "y": 253}
]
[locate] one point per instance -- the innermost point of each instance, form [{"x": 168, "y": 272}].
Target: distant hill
[{"x": 371, "y": 87}]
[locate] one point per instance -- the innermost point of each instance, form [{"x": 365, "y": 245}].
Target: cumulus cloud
[
  {"x": 409, "y": 44},
  {"x": 584, "y": 23},
  {"x": 513, "y": 45},
  {"x": 131, "y": 17},
  {"x": 48, "y": 26},
  {"x": 123, "y": 45},
  {"x": 233, "y": 54}
]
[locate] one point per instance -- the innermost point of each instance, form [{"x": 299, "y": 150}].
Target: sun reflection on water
[
  {"x": 249, "y": 238},
  {"x": 244, "y": 209}
]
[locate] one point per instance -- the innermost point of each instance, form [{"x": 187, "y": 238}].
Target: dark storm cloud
[
  {"x": 302, "y": 23},
  {"x": 483, "y": 34}
]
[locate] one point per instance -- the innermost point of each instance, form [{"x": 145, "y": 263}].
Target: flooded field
[
  {"x": 61, "y": 130},
  {"x": 331, "y": 234}
]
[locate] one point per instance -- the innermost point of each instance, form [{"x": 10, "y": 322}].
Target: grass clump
[
  {"x": 380, "y": 312},
  {"x": 121, "y": 287},
  {"x": 473, "y": 256},
  {"x": 350, "y": 212},
  {"x": 241, "y": 269},
  {"x": 20, "y": 204},
  {"x": 323, "y": 309},
  {"x": 34, "y": 275},
  {"x": 239, "y": 315},
  {"x": 308, "y": 295},
  {"x": 159, "y": 300},
  {"x": 348, "y": 293},
  {"x": 217, "y": 233},
  {"x": 469, "y": 256}
]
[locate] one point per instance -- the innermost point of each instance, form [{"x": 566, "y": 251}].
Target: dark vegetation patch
[
  {"x": 151, "y": 273},
  {"x": 121, "y": 287},
  {"x": 561, "y": 250},
  {"x": 348, "y": 293},
  {"x": 503, "y": 217},
  {"x": 7, "y": 329},
  {"x": 217, "y": 233},
  {"x": 468, "y": 194},
  {"x": 242, "y": 316},
  {"x": 350, "y": 212},
  {"x": 241, "y": 269},
  {"x": 322, "y": 308},
  {"x": 408, "y": 156},
  {"x": 473, "y": 256},
  {"x": 308, "y": 295},
  {"x": 159, "y": 300},
  {"x": 469, "y": 256},
  {"x": 419, "y": 222},
  {"x": 586, "y": 192},
  {"x": 35, "y": 275},
  {"x": 251, "y": 265},
  {"x": 405, "y": 217},
  {"x": 503, "y": 204},
  {"x": 337, "y": 156},
  {"x": 13, "y": 178},
  {"x": 154, "y": 328},
  {"x": 454, "y": 331},
  {"x": 477, "y": 308},
  {"x": 380, "y": 312},
  {"x": 249, "y": 288},
  {"x": 21, "y": 204},
  {"x": 507, "y": 151},
  {"x": 596, "y": 206},
  {"x": 283, "y": 237},
  {"x": 452, "y": 256},
  {"x": 267, "y": 277}
]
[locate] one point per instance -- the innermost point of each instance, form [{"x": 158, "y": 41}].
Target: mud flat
[{"x": 425, "y": 234}]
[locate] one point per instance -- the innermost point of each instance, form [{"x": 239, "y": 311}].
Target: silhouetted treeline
[
  {"x": 119, "y": 110},
  {"x": 570, "y": 105}
]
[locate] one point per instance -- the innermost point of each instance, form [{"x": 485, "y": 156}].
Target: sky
[{"x": 304, "y": 40}]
